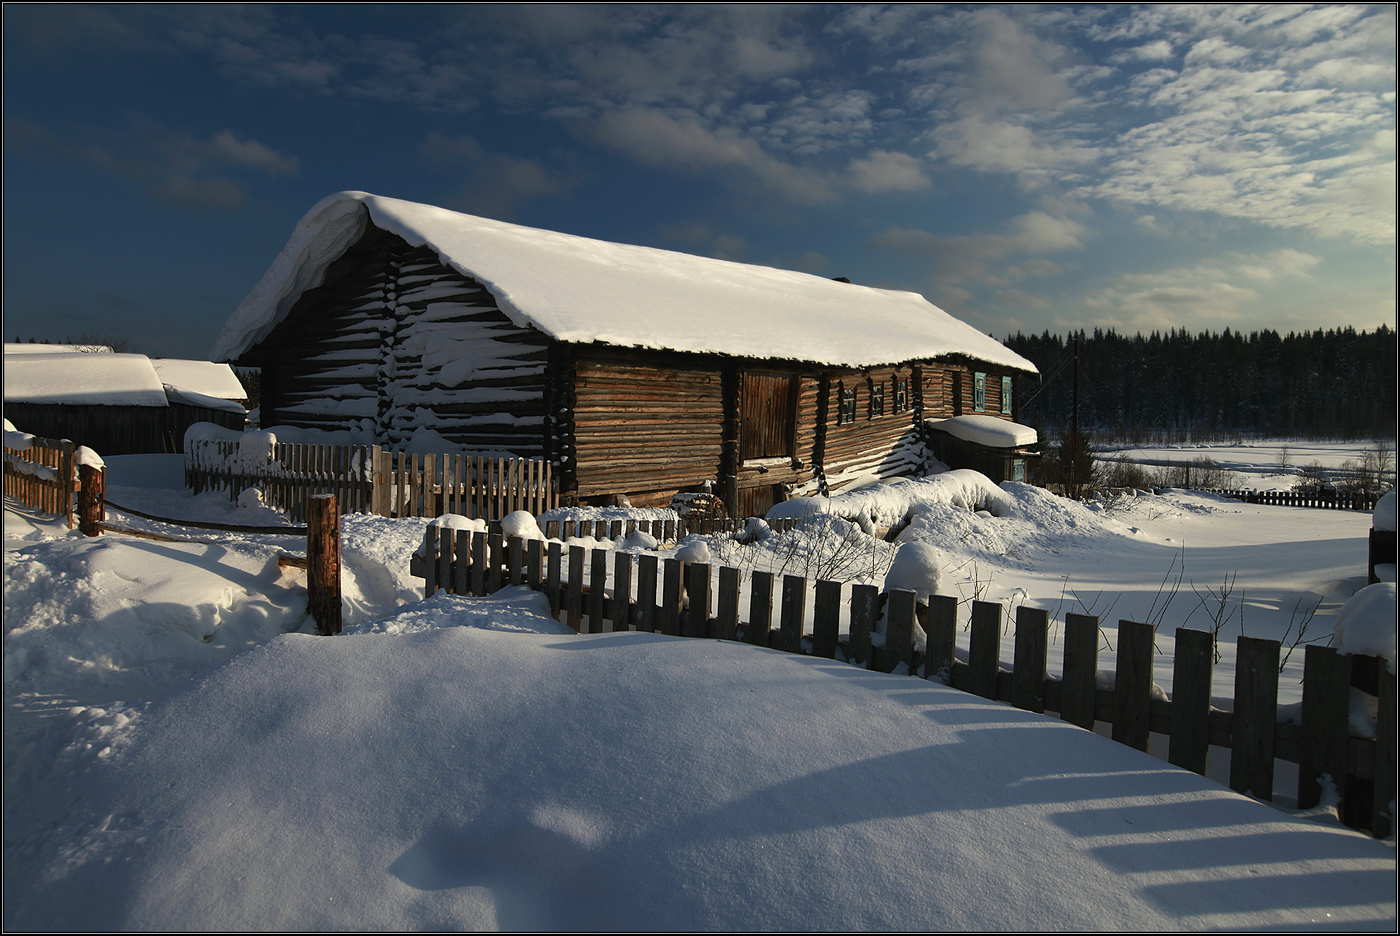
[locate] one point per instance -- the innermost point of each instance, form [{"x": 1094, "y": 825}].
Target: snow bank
[
  {"x": 885, "y": 505},
  {"x": 577, "y": 289},
  {"x": 14, "y": 439},
  {"x": 1366, "y": 624},
  {"x": 986, "y": 430}
]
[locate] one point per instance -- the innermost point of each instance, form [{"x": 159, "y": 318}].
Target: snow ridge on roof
[
  {"x": 582, "y": 290},
  {"x": 85, "y": 379}
]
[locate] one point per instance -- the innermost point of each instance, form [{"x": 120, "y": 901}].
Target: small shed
[
  {"x": 635, "y": 370},
  {"x": 998, "y": 448},
  {"x": 116, "y": 404}
]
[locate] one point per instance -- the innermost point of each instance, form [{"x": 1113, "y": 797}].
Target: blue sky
[{"x": 1025, "y": 168}]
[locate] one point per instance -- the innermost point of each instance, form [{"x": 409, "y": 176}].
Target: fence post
[
  {"x": 826, "y": 619},
  {"x": 864, "y": 599},
  {"x": 1383, "y": 784},
  {"x": 92, "y": 484},
  {"x": 323, "y": 563},
  {"x": 792, "y": 613}
]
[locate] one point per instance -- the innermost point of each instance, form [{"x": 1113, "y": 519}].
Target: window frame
[
  {"x": 875, "y": 406},
  {"x": 845, "y": 404},
  {"x": 1006, "y": 396},
  {"x": 979, "y": 392}
]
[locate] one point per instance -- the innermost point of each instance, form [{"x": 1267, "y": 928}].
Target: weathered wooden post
[
  {"x": 323, "y": 562},
  {"x": 92, "y": 485}
]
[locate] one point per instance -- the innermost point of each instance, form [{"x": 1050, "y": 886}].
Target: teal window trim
[
  {"x": 1006, "y": 395},
  {"x": 979, "y": 392}
]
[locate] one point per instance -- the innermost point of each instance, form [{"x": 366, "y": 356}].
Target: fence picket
[
  {"x": 792, "y": 613},
  {"x": 1132, "y": 687},
  {"x": 728, "y": 609},
  {"x": 697, "y": 612},
  {"x": 941, "y": 628},
  {"x": 622, "y": 592},
  {"x": 1256, "y": 711},
  {"x": 646, "y": 592},
  {"x": 597, "y": 590},
  {"x": 1326, "y": 705},
  {"x": 984, "y": 646},
  {"x": 1028, "y": 666},
  {"x": 826, "y": 619},
  {"x": 1190, "y": 722},
  {"x": 760, "y": 608},
  {"x": 1079, "y": 682}
]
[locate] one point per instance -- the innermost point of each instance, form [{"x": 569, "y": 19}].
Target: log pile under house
[{"x": 636, "y": 371}]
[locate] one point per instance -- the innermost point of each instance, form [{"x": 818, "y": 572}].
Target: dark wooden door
[{"x": 767, "y": 414}]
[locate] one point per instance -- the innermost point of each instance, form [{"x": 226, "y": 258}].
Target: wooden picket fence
[
  {"x": 1333, "y": 500},
  {"x": 1363, "y": 769},
  {"x": 43, "y": 476},
  {"x": 372, "y": 479}
]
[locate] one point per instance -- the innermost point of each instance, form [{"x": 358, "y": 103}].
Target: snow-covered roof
[
  {"x": 986, "y": 430},
  {"x": 20, "y": 347},
  {"x": 581, "y": 290},
  {"x": 76, "y": 378},
  {"x": 204, "y": 378}
]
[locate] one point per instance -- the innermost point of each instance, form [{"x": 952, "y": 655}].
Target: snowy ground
[{"x": 181, "y": 753}]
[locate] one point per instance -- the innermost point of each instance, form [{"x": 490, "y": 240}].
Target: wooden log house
[{"x": 637, "y": 371}]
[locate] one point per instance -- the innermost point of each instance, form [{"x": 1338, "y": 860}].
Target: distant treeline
[{"x": 1334, "y": 384}]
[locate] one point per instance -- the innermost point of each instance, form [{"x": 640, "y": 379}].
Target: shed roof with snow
[{"x": 581, "y": 290}]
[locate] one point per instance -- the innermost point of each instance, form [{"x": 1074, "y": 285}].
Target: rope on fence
[{"x": 208, "y": 525}]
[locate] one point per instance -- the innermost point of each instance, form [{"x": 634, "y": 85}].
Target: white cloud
[{"x": 883, "y": 172}]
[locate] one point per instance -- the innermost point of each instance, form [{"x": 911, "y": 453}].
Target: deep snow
[{"x": 181, "y": 753}]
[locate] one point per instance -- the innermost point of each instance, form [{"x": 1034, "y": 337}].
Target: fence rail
[
  {"x": 1363, "y": 769},
  {"x": 43, "y": 476},
  {"x": 371, "y": 479}
]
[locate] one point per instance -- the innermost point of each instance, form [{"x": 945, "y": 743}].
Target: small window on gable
[
  {"x": 979, "y": 392},
  {"x": 846, "y": 413},
  {"x": 900, "y": 403},
  {"x": 1006, "y": 395},
  {"x": 877, "y": 400}
]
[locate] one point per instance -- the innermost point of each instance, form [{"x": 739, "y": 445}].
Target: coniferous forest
[{"x": 1338, "y": 383}]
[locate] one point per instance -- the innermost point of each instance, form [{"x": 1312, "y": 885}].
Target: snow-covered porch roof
[
  {"x": 581, "y": 290},
  {"x": 988, "y": 431}
]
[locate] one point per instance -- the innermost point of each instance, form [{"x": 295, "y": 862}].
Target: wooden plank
[
  {"x": 669, "y": 622},
  {"x": 646, "y": 592},
  {"x": 1028, "y": 661},
  {"x": 984, "y": 645},
  {"x": 899, "y": 629},
  {"x": 622, "y": 592},
  {"x": 865, "y": 600},
  {"x": 597, "y": 591},
  {"x": 497, "y": 546},
  {"x": 1132, "y": 685},
  {"x": 728, "y": 610},
  {"x": 826, "y": 619},
  {"x": 573, "y": 604},
  {"x": 1256, "y": 712},
  {"x": 697, "y": 613},
  {"x": 1191, "y": 673},
  {"x": 792, "y": 613},
  {"x": 534, "y": 557},
  {"x": 515, "y": 560},
  {"x": 1383, "y": 793},
  {"x": 445, "y": 541},
  {"x": 552, "y": 576},
  {"x": 1323, "y": 739},
  {"x": 1079, "y": 681},
  {"x": 430, "y": 561},
  {"x": 461, "y": 568},
  {"x": 760, "y": 608},
  {"x": 942, "y": 623}
]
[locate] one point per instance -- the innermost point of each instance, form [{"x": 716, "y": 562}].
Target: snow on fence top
[
  {"x": 76, "y": 378},
  {"x": 577, "y": 289},
  {"x": 986, "y": 430}
]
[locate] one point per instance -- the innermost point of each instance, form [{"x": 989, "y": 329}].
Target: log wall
[
  {"x": 644, "y": 425},
  {"x": 395, "y": 341}
]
